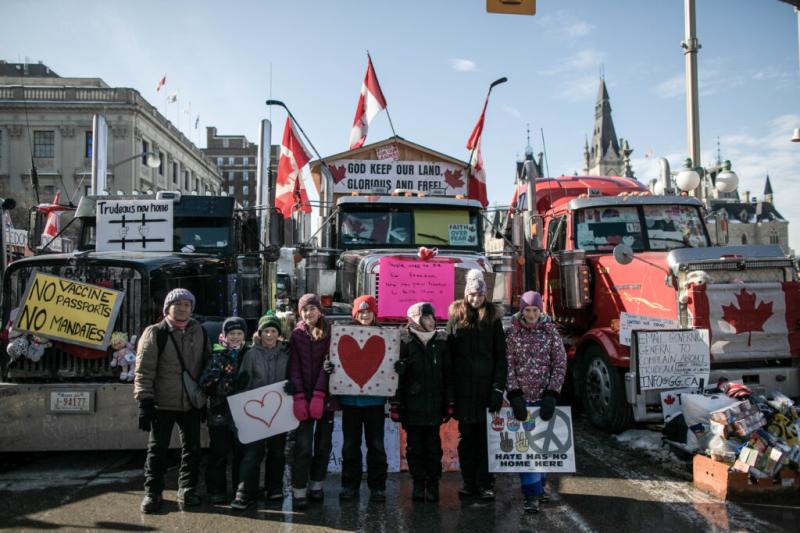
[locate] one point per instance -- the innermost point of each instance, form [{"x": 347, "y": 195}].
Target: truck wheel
[{"x": 604, "y": 393}]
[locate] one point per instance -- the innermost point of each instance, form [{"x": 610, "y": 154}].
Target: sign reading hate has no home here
[{"x": 671, "y": 359}]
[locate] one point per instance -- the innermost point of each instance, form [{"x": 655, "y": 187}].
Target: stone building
[
  {"x": 46, "y": 122},
  {"x": 607, "y": 155}
]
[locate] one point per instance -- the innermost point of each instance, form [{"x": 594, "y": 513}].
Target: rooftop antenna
[{"x": 719, "y": 153}]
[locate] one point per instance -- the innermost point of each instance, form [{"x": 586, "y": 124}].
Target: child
[
  {"x": 478, "y": 351},
  {"x": 267, "y": 362},
  {"x": 537, "y": 365},
  {"x": 424, "y": 399},
  {"x": 218, "y": 381},
  {"x": 365, "y": 412},
  {"x": 309, "y": 345}
]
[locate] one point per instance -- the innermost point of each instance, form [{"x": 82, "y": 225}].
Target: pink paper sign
[{"x": 406, "y": 281}]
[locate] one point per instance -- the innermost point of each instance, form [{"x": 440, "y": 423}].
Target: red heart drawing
[
  {"x": 257, "y": 411},
  {"x": 361, "y": 363}
]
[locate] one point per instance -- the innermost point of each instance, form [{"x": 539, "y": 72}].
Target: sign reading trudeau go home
[{"x": 356, "y": 175}]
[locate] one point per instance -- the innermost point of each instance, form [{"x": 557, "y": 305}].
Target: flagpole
[
  {"x": 485, "y": 105},
  {"x": 291, "y": 116},
  {"x": 391, "y": 125}
]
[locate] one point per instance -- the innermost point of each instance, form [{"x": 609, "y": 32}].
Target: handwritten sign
[
  {"x": 351, "y": 175},
  {"x": 404, "y": 282},
  {"x": 262, "y": 412},
  {"x": 533, "y": 445},
  {"x": 629, "y": 322},
  {"x": 363, "y": 360},
  {"x": 134, "y": 225},
  {"x": 463, "y": 234},
  {"x": 671, "y": 359},
  {"x": 68, "y": 310}
]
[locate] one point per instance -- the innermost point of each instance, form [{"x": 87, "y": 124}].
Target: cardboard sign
[
  {"x": 629, "y": 322},
  {"x": 671, "y": 405},
  {"x": 448, "y": 433},
  {"x": 262, "y": 412},
  {"x": 463, "y": 234},
  {"x": 533, "y": 445},
  {"x": 134, "y": 225},
  {"x": 356, "y": 175},
  {"x": 406, "y": 281},
  {"x": 671, "y": 359},
  {"x": 363, "y": 359},
  {"x": 391, "y": 443},
  {"x": 67, "y": 310}
]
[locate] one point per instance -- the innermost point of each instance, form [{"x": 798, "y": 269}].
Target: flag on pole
[
  {"x": 172, "y": 98},
  {"x": 290, "y": 193},
  {"x": 476, "y": 182},
  {"x": 370, "y": 103},
  {"x": 53, "y": 223},
  {"x": 161, "y": 83}
]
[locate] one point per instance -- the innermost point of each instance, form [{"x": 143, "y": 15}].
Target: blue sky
[{"x": 435, "y": 60}]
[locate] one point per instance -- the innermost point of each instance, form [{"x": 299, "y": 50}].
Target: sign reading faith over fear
[
  {"x": 262, "y": 412},
  {"x": 671, "y": 359},
  {"x": 533, "y": 445},
  {"x": 68, "y": 310},
  {"x": 363, "y": 360},
  {"x": 354, "y": 175},
  {"x": 134, "y": 225},
  {"x": 406, "y": 281}
]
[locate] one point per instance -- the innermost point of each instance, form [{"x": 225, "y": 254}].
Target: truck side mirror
[
  {"x": 623, "y": 254},
  {"x": 276, "y": 229}
]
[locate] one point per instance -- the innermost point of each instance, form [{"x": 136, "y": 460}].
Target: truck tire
[{"x": 603, "y": 393}]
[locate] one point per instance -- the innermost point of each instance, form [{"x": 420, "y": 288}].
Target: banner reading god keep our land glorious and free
[
  {"x": 353, "y": 175},
  {"x": 68, "y": 310}
]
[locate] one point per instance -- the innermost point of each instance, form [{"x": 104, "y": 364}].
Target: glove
[
  {"x": 288, "y": 388},
  {"x": 548, "y": 405},
  {"x": 300, "y": 407},
  {"x": 448, "y": 413},
  {"x": 394, "y": 413},
  {"x": 317, "y": 405},
  {"x": 400, "y": 367},
  {"x": 518, "y": 405},
  {"x": 147, "y": 413},
  {"x": 495, "y": 401},
  {"x": 328, "y": 367}
]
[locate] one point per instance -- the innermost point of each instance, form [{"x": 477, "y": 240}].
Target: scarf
[{"x": 424, "y": 336}]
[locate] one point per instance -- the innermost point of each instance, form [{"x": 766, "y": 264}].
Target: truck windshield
[
  {"x": 411, "y": 226},
  {"x": 600, "y": 229}
]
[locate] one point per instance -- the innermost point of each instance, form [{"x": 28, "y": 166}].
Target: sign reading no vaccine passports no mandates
[{"x": 67, "y": 310}]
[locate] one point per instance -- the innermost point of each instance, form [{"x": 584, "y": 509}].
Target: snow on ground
[{"x": 648, "y": 442}]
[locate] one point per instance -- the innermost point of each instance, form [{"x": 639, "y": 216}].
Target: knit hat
[
  {"x": 365, "y": 303},
  {"x": 233, "y": 323},
  {"x": 475, "y": 282},
  {"x": 176, "y": 295},
  {"x": 307, "y": 299},
  {"x": 420, "y": 309},
  {"x": 269, "y": 321},
  {"x": 531, "y": 299}
]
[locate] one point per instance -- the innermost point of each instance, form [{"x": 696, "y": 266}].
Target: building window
[
  {"x": 44, "y": 143},
  {"x": 220, "y": 161},
  {"x": 230, "y": 161},
  {"x": 160, "y": 163},
  {"x": 175, "y": 172},
  {"x": 145, "y": 149},
  {"x": 245, "y": 203},
  {"x": 246, "y": 189},
  {"x": 231, "y": 177},
  {"x": 1, "y": 144},
  {"x": 87, "y": 146},
  {"x": 230, "y": 190},
  {"x": 224, "y": 143},
  {"x": 186, "y": 177},
  {"x": 773, "y": 238},
  {"x": 246, "y": 161},
  {"x": 246, "y": 176}
]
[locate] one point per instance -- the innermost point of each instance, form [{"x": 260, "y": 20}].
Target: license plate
[{"x": 71, "y": 402}]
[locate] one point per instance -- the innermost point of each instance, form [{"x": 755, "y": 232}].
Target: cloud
[
  {"x": 512, "y": 111},
  {"x": 588, "y": 58},
  {"x": 579, "y": 29},
  {"x": 579, "y": 88},
  {"x": 562, "y": 23},
  {"x": 712, "y": 81},
  {"x": 463, "y": 65}
]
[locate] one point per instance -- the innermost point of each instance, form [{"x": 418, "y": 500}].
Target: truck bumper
[
  {"x": 74, "y": 416},
  {"x": 762, "y": 380}
]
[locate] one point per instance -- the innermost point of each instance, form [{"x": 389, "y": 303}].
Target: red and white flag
[
  {"x": 161, "y": 83},
  {"x": 370, "y": 103},
  {"x": 476, "y": 181},
  {"x": 290, "y": 193},
  {"x": 53, "y": 223}
]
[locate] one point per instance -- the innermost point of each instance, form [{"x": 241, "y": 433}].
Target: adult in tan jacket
[{"x": 163, "y": 401}]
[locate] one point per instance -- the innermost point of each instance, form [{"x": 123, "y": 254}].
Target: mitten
[
  {"x": 328, "y": 367},
  {"x": 394, "y": 413},
  {"x": 518, "y": 405},
  {"x": 400, "y": 367},
  {"x": 548, "y": 405},
  {"x": 147, "y": 413},
  {"x": 300, "y": 407},
  {"x": 317, "y": 405},
  {"x": 495, "y": 400}
]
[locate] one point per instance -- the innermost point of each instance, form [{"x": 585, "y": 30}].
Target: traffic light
[{"x": 511, "y": 7}]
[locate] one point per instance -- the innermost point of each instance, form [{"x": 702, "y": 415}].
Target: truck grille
[{"x": 58, "y": 365}]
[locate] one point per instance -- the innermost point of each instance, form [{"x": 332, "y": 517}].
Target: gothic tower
[{"x": 605, "y": 157}]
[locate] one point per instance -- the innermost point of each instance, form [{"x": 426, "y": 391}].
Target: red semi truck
[{"x": 597, "y": 247}]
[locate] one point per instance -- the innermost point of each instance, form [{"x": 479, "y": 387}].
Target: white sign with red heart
[
  {"x": 363, "y": 360},
  {"x": 262, "y": 412}
]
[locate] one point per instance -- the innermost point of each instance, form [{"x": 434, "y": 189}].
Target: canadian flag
[
  {"x": 370, "y": 103},
  {"x": 476, "y": 181},
  {"x": 53, "y": 224},
  {"x": 161, "y": 83},
  {"x": 290, "y": 193}
]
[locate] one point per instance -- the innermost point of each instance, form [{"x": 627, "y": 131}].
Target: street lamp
[
  {"x": 727, "y": 180},
  {"x": 152, "y": 160},
  {"x": 688, "y": 178}
]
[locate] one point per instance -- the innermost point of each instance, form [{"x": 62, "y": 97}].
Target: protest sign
[
  {"x": 262, "y": 412},
  {"x": 629, "y": 322},
  {"x": 406, "y": 281},
  {"x": 358, "y": 175},
  {"x": 67, "y": 310},
  {"x": 363, "y": 360},
  {"x": 134, "y": 225},
  {"x": 671, "y": 359},
  {"x": 533, "y": 445}
]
